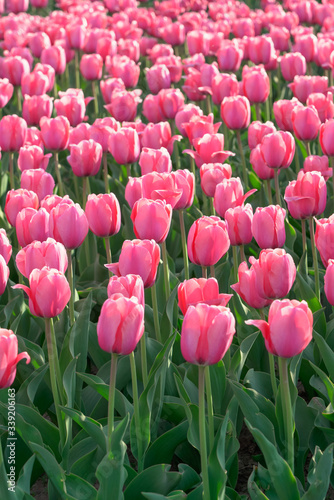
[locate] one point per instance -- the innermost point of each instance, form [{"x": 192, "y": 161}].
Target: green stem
[
  {"x": 128, "y": 170},
  {"x": 105, "y": 173},
  {"x": 56, "y": 364},
  {"x": 270, "y": 198},
  {"x": 242, "y": 254},
  {"x": 287, "y": 410},
  {"x": 202, "y": 434},
  {"x": 108, "y": 251},
  {"x": 18, "y": 96},
  {"x": 70, "y": 280},
  {"x": 176, "y": 154},
  {"x": 111, "y": 402},
  {"x": 226, "y": 133},
  {"x": 269, "y": 103},
  {"x": 243, "y": 161},
  {"x": 258, "y": 111},
  {"x": 308, "y": 148},
  {"x": 60, "y": 183},
  {"x": 210, "y": 406},
  {"x": 166, "y": 269},
  {"x": 143, "y": 358},
  {"x": 212, "y": 271},
  {"x": 304, "y": 243},
  {"x": 192, "y": 166},
  {"x": 315, "y": 259},
  {"x": 235, "y": 263},
  {"x": 184, "y": 245},
  {"x": 297, "y": 163},
  {"x": 155, "y": 312},
  {"x": 208, "y": 104},
  {"x": 212, "y": 208},
  {"x": 204, "y": 272},
  {"x": 77, "y": 72},
  {"x": 277, "y": 193},
  {"x": 52, "y": 354},
  {"x": 11, "y": 170},
  {"x": 136, "y": 409},
  {"x": 84, "y": 192},
  {"x": 96, "y": 102}
]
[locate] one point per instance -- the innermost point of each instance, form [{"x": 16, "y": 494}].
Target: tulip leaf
[
  {"x": 304, "y": 291},
  {"x": 79, "y": 488},
  {"x": 24, "y": 479},
  {"x": 218, "y": 386},
  {"x": 239, "y": 358},
  {"x": 28, "y": 389},
  {"x": 319, "y": 475},
  {"x": 162, "y": 449},
  {"x": 217, "y": 464},
  {"x": 111, "y": 473},
  {"x": 91, "y": 426},
  {"x": 254, "y": 490},
  {"x": 81, "y": 457},
  {"x": 326, "y": 353},
  {"x": 281, "y": 475},
  {"x": 54, "y": 471},
  {"x": 156, "y": 479}
]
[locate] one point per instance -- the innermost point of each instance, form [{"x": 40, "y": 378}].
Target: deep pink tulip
[
  {"x": 102, "y": 129},
  {"x": 184, "y": 183},
  {"x": 158, "y": 135},
  {"x": 49, "y": 292},
  {"x": 260, "y": 49},
  {"x": 198, "y": 126},
  {"x": 229, "y": 56},
  {"x": 155, "y": 160},
  {"x": 85, "y": 158},
  {"x": 123, "y": 67},
  {"x": 31, "y": 225},
  {"x": 289, "y": 328},
  {"x": 170, "y": 101},
  {"x": 256, "y": 86},
  {"x": 13, "y": 130},
  {"x": 158, "y": 77},
  {"x": 5, "y": 246},
  {"x": 307, "y": 195},
  {"x": 268, "y": 226},
  {"x": 194, "y": 291},
  {"x": 35, "y": 83},
  {"x": 275, "y": 273},
  {"x": 235, "y": 112},
  {"x": 55, "y": 57},
  {"x": 212, "y": 174},
  {"x": 39, "y": 181},
  {"x": 36, "y": 107},
  {"x": 283, "y": 113},
  {"x": 259, "y": 166},
  {"x": 6, "y": 92},
  {"x": 91, "y": 66},
  {"x": 123, "y": 105},
  {"x": 278, "y": 149},
  {"x": 158, "y": 212},
  {"x": 257, "y": 130},
  {"x": 174, "y": 65},
  {"x": 307, "y": 45},
  {"x": 13, "y": 68},
  {"x": 224, "y": 85},
  {"x": 124, "y": 146},
  {"x": 183, "y": 116},
  {"x": 246, "y": 287},
  {"x": 320, "y": 164},
  {"x": 329, "y": 282},
  {"x": 103, "y": 214},
  {"x": 207, "y": 333},
  {"x": 207, "y": 241},
  {"x": 68, "y": 224},
  {"x": 38, "y": 254},
  {"x": 18, "y": 199},
  {"x": 32, "y": 157},
  {"x": 9, "y": 357},
  {"x": 324, "y": 238},
  {"x": 139, "y": 257},
  {"x": 47, "y": 70},
  {"x": 306, "y": 123},
  {"x": 37, "y": 42},
  {"x": 209, "y": 149},
  {"x": 323, "y": 104},
  {"x": 127, "y": 286},
  {"x": 292, "y": 64},
  {"x": 108, "y": 86},
  {"x": 239, "y": 224},
  {"x": 303, "y": 86},
  {"x": 120, "y": 325},
  {"x": 72, "y": 105},
  {"x": 229, "y": 193},
  {"x": 55, "y": 132},
  {"x": 325, "y": 137}
]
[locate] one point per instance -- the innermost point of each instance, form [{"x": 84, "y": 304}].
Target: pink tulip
[
  {"x": 18, "y": 199},
  {"x": 134, "y": 190},
  {"x": 257, "y": 130},
  {"x": 325, "y": 138},
  {"x": 6, "y": 92},
  {"x": 52, "y": 201},
  {"x": 229, "y": 193},
  {"x": 174, "y": 65},
  {"x": 329, "y": 284},
  {"x": 31, "y": 225},
  {"x": 159, "y": 135},
  {"x": 102, "y": 129},
  {"x": 158, "y": 77},
  {"x": 91, "y": 66},
  {"x": 158, "y": 212},
  {"x": 55, "y": 56},
  {"x": 198, "y": 42},
  {"x": 68, "y": 224},
  {"x": 292, "y": 64},
  {"x": 259, "y": 166},
  {"x": 289, "y": 328},
  {"x": 212, "y": 174},
  {"x": 278, "y": 149},
  {"x": 184, "y": 183},
  {"x": 207, "y": 333},
  {"x": 268, "y": 226},
  {"x": 207, "y": 241},
  {"x": 155, "y": 160},
  {"x": 261, "y": 49},
  {"x": 275, "y": 273},
  {"x": 198, "y": 126},
  {"x": 124, "y": 146},
  {"x": 103, "y": 214},
  {"x": 13, "y": 130},
  {"x": 152, "y": 110},
  {"x": 239, "y": 224},
  {"x": 47, "y": 70},
  {"x": 9, "y": 357},
  {"x": 283, "y": 113},
  {"x": 5, "y": 246},
  {"x": 127, "y": 286},
  {"x": 139, "y": 257},
  {"x": 123, "y": 105},
  {"x": 37, "y": 42},
  {"x": 72, "y": 105},
  {"x": 35, "y": 83},
  {"x": 170, "y": 102},
  {"x": 155, "y": 186},
  {"x": 49, "y": 292},
  {"x": 194, "y": 291},
  {"x": 323, "y": 104},
  {"x": 235, "y": 112},
  {"x": 123, "y": 67},
  {"x": 256, "y": 86},
  {"x": 120, "y": 325},
  {"x": 183, "y": 116},
  {"x": 32, "y": 157},
  {"x": 320, "y": 164},
  {"x": 108, "y": 86},
  {"x": 36, "y": 107},
  {"x": 85, "y": 158},
  {"x": 307, "y": 195},
  {"x": 55, "y": 132},
  {"x": 39, "y": 181},
  {"x": 246, "y": 287},
  {"x": 307, "y": 45},
  {"x": 306, "y": 123},
  {"x": 224, "y": 85},
  {"x": 303, "y": 86},
  {"x": 38, "y": 254},
  {"x": 13, "y": 68},
  {"x": 209, "y": 149},
  {"x": 229, "y": 56}
]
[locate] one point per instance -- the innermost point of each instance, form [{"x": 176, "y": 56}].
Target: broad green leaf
[
  {"x": 218, "y": 386},
  {"x": 326, "y": 353},
  {"x": 91, "y": 426},
  {"x": 156, "y": 479},
  {"x": 239, "y": 359},
  {"x": 162, "y": 449},
  {"x": 53, "y": 470},
  {"x": 320, "y": 474},
  {"x": 254, "y": 490},
  {"x": 25, "y": 475},
  {"x": 217, "y": 464},
  {"x": 79, "y": 488}
]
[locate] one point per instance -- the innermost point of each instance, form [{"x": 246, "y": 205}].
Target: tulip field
[{"x": 166, "y": 250}]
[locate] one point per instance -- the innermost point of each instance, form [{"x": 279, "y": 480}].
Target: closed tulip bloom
[
  {"x": 223, "y": 85},
  {"x": 307, "y": 195},
  {"x": 185, "y": 183},
  {"x": 261, "y": 49},
  {"x": 183, "y": 116},
  {"x": 194, "y": 291},
  {"x": 246, "y": 287},
  {"x": 325, "y": 49},
  {"x": 256, "y": 86},
  {"x": 55, "y": 56},
  {"x": 235, "y": 112},
  {"x": 158, "y": 77},
  {"x": 9, "y": 357},
  {"x": 292, "y": 64},
  {"x": 4, "y": 274},
  {"x": 13, "y": 68},
  {"x": 108, "y": 86},
  {"x": 120, "y": 325},
  {"x": 35, "y": 83},
  {"x": 275, "y": 273},
  {"x": 18, "y": 199},
  {"x": 140, "y": 257},
  {"x": 207, "y": 241},
  {"x": 91, "y": 66},
  {"x": 38, "y": 254},
  {"x": 127, "y": 286},
  {"x": 257, "y": 130},
  {"x": 239, "y": 224},
  {"x": 209, "y": 149},
  {"x": 329, "y": 282},
  {"x": 323, "y": 104},
  {"x": 72, "y": 105},
  {"x": 278, "y": 149},
  {"x": 283, "y": 113},
  {"x": 155, "y": 160},
  {"x": 123, "y": 67},
  {"x": 198, "y": 126},
  {"x": 13, "y": 130},
  {"x": 5, "y": 246},
  {"x": 49, "y": 292},
  {"x": 152, "y": 110},
  {"x": 123, "y": 105},
  {"x": 268, "y": 226},
  {"x": 320, "y": 164},
  {"x": 212, "y": 174},
  {"x": 85, "y": 158},
  {"x": 37, "y": 42},
  {"x": 55, "y": 132},
  {"x": 39, "y": 181},
  {"x": 102, "y": 129},
  {"x": 303, "y": 86},
  {"x": 324, "y": 239},
  {"x": 68, "y": 224},
  {"x": 306, "y": 123},
  {"x": 134, "y": 190},
  {"x": 229, "y": 56},
  {"x": 259, "y": 166},
  {"x": 326, "y": 138},
  {"x": 32, "y": 225},
  {"x": 193, "y": 86},
  {"x": 198, "y": 41},
  {"x": 32, "y": 157},
  {"x": 308, "y": 45},
  {"x": 36, "y": 107},
  {"x": 124, "y": 146},
  {"x": 229, "y": 193},
  {"x": 289, "y": 328},
  {"x": 158, "y": 212},
  {"x": 170, "y": 101},
  {"x": 6, "y": 92},
  {"x": 207, "y": 333},
  {"x": 174, "y": 65},
  {"x": 47, "y": 70},
  {"x": 158, "y": 135},
  {"x": 103, "y": 214}
]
